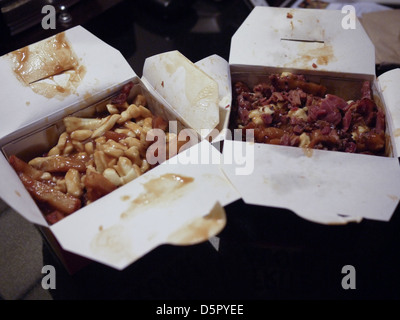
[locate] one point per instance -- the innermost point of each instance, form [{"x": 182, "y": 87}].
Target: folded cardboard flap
[
  {"x": 102, "y": 74},
  {"x": 192, "y": 93},
  {"x": 327, "y": 187},
  {"x": 44, "y": 59},
  {"x": 388, "y": 86},
  {"x": 218, "y": 69},
  {"x": 302, "y": 39}
]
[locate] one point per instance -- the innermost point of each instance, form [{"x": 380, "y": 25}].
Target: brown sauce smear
[
  {"x": 200, "y": 229},
  {"x": 319, "y": 56},
  {"x": 115, "y": 242},
  {"x": 162, "y": 189},
  {"x": 38, "y": 64}
]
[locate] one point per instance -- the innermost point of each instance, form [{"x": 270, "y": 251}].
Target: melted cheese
[
  {"x": 298, "y": 113},
  {"x": 255, "y": 115},
  {"x": 357, "y": 133},
  {"x": 304, "y": 140}
]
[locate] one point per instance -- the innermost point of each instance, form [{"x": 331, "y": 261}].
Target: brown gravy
[{"x": 37, "y": 66}]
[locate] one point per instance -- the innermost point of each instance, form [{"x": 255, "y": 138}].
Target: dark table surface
[{"x": 264, "y": 253}]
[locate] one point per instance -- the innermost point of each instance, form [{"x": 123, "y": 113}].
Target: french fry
[
  {"x": 97, "y": 186},
  {"x": 74, "y": 123},
  {"x": 113, "y": 149},
  {"x": 112, "y": 109},
  {"x": 109, "y": 122},
  {"x": 140, "y": 100},
  {"x": 73, "y": 183},
  {"x": 57, "y": 164},
  {"x": 66, "y": 204},
  {"x": 54, "y": 216},
  {"x": 100, "y": 161},
  {"x": 21, "y": 166},
  {"x": 81, "y": 135}
]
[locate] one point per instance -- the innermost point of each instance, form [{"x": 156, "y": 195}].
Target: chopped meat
[{"x": 288, "y": 110}]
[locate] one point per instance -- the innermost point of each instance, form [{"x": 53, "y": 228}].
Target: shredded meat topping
[{"x": 290, "y": 111}]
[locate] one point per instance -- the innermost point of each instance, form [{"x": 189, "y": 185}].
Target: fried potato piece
[
  {"x": 75, "y": 123},
  {"x": 57, "y": 164},
  {"x": 21, "y": 166},
  {"x": 97, "y": 186},
  {"x": 42, "y": 192},
  {"x": 54, "y": 217}
]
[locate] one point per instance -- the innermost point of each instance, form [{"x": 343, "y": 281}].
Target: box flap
[
  {"x": 119, "y": 229},
  {"x": 218, "y": 69},
  {"x": 28, "y": 95},
  {"x": 389, "y": 88},
  {"x": 306, "y": 39},
  {"x": 195, "y": 92},
  {"x": 321, "y": 186}
]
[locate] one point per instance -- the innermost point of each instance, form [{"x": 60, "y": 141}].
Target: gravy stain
[
  {"x": 308, "y": 152},
  {"x": 397, "y": 133},
  {"x": 200, "y": 229},
  {"x": 113, "y": 243},
  {"x": 162, "y": 189},
  {"x": 51, "y": 89},
  {"x": 393, "y": 197},
  {"x": 125, "y": 198},
  {"x": 37, "y": 66},
  {"x": 319, "y": 56}
]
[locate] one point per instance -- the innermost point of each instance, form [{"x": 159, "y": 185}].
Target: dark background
[{"x": 264, "y": 253}]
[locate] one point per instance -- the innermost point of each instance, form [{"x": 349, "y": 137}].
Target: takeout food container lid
[
  {"x": 23, "y": 107},
  {"x": 298, "y": 38},
  {"x": 201, "y": 96},
  {"x": 326, "y": 187},
  {"x": 117, "y": 229}
]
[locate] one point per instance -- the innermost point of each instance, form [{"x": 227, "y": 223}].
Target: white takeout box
[
  {"x": 31, "y": 123},
  {"x": 321, "y": 186}
]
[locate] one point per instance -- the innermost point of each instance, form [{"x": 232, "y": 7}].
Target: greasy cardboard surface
[
  {"x": 326, "y": 187},
  {"x": 105, "y": 70},
  {"x": 218, "y": 69},
  {"x": 158, "y": 75},
  {"x": 302, "y": 39},
  {"x": 389, "y": 88},
  {"x": 188, "y": 89},
  {"x": 117, "y": 231}
]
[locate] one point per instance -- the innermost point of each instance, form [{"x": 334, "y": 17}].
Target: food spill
[
  {"x": 113, "y": 242},
  {"x": 393, "y": 197},
  {"x": 308, "y": 152},
  {"x": 50, "y": 68},
  {"x": 200, "y": 229},
  {"x": 116, "y": 242},
  {"x": 320, "y": 56}
]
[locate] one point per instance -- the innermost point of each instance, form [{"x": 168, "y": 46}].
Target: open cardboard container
[
  {"x": 114, "y": 230},
  {"x": 326, "y": 187}
]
